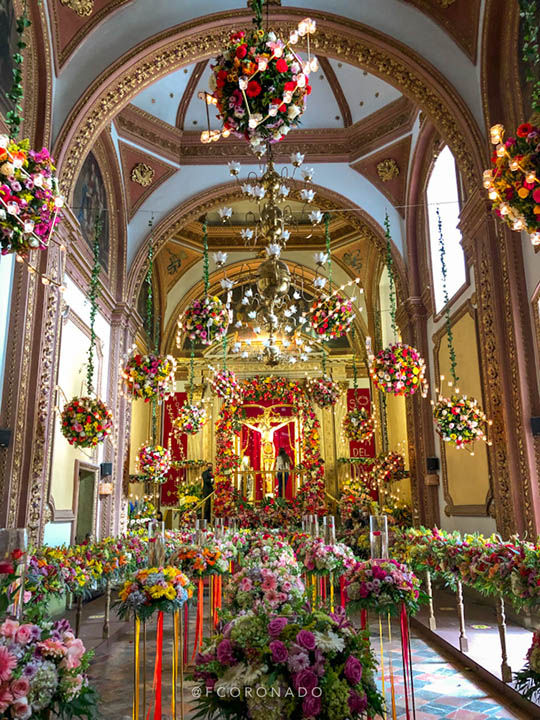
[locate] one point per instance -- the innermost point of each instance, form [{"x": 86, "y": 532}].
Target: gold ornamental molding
[
  {"x": 83, "y": 8},
  {"x": 387, "y": 169},
  {"x": 142, "y": 174},
  {"x": 340, "y": 38}
]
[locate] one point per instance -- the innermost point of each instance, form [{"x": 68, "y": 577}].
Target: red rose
[
  {"x": 281, "y": 65},
  {"x": 524, "y": 130},
  {"x": 241, "y": 51},
  {"x": 308, "y": 89},
  {"x": 289, "y": 86}
]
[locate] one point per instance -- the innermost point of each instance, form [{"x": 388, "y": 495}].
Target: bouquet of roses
[
  {"x": 321, "y": 558},
  {"x": 359, "y": 425},
  {"x": 398, "y": 369},
  {"x": 459, "y": 420},
  {"x": 149, "y": 376},
  {"x": 513, "y": 180},
  {"x": 191, "y": 419},
  {"x": 29, "y": 197},
  {"x": 331, "y": 317},
  {"x": 267, "y": 589},
  {"x": 44, "y": 668},
  {"x": 199, "y": 562},
  {"x": 383, "y": 586},
  {"x": 301, "y": 666},
  {"x": 324, "y": 391},
  {"x": 86, "y": 422},
  {"x": 205, "y": 320},
  {"x": 154, "y": 462},
  {"x": 163, "y": 589}
]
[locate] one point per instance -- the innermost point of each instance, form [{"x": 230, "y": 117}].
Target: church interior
[{"x": 270, "y": 359}]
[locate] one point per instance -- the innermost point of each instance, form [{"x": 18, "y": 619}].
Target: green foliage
[
  {"x": 14, "y": 117},
  {"x": 444, "y": 273},
  {"x": 391, "y": 277},
  {"x": 93, "y": 295}
]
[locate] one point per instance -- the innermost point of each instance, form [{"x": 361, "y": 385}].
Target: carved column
[{"x": 507, "y": 365}]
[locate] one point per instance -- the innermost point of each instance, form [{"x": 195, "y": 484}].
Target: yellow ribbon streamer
[
  {"x": 382, "y": 664},
  {"x": 174, "y": 663},
  {"x": 331, "y": 592},
  {"x": 136, "y": 688},
  {"x": 392, "y": 686}
]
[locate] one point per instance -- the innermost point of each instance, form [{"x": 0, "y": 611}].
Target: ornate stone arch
[{"x": 337, "y": 37}]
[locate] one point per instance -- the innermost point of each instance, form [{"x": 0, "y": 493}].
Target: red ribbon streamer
[
  {"x": 186, "y": 628},
  {"x": 342, "y": 591},
  {"x": 363, "y": 618},
  {"x": 199, "y": 620},
  {"x": 404, "y": 627},
  {"x": 157, "y": 669}
]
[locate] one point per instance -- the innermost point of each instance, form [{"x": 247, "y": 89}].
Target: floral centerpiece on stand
[
  {"x": 321, "y": 558},
  {"x": 44, "y": 668},
  {"x": 154, "y": 462},
  {"x": 323, "y": 391},
  {"x": 198, "y": 562},
  {"x": 273, "y": 590},
  {"x": 331, "y": 317},
  {"x": 382, "y": 586},
  {"x": 149, "y": 376},
  {"x": 264, "y": 550},
  {"x": 161, "y": 589},
  {"x": 301, "y": 666},
  {"x": 398, "y": 369},
  {"x": 205, "y": 320},
  {"x": 191, "y": 419},
  {"x": 513, "y": 182},
  {"x": 86, "y": 422},
  {"x": 29, "y": 197},
  {"x": 259, "y": 84},
  {"x": 359, "y": 425},
  {"x": 459, "y": 420}
]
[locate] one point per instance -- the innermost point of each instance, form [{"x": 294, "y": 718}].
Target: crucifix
[{"x": 266, "y": 430}]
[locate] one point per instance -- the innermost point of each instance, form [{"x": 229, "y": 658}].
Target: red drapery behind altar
[
  {"x": 283, "y": 437},
  {"x": 169, "y": 490},
  {"x": 361, "y": 398}
]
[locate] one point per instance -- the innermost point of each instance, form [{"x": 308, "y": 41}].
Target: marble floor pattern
[{"x": 442, "y": 688}]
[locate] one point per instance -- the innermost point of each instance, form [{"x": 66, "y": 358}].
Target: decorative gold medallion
[
  {"x": 142, "y": 174},
  {"x": 81, "y": 7},
  {"x": 387, "y": 169}
]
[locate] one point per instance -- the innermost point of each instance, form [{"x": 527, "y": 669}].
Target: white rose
[
  {"x": 7, "y": 169},
  {"x": 293, "y": 111}
]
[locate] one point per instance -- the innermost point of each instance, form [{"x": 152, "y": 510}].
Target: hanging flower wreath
[
  {"x": 204, "y": 321},
  {"x": 191, "y": 419},
  {"x": 459, "y": 420},
  {"x": 399, "y": 369},
  {"x": 224, "y": 384},
  {"x": 149, "y": 376},
  {"x": 390, "y": 467},
  {"x": 29, "y": 197},
  {"x": 359, "y": 425},
  {"x": 154, "y": 462},
  {"x": 332, "y": 317},
  {"x": 86, "y": 422},
  {"x": 513, "y": 181},
  {"x": 259, "y": 84},
  {"x": 323, "y": 391}
]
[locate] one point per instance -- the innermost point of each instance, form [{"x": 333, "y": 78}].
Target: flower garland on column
[
  {"x": 30, "y": 200},
  {"x": 398, "y": 369},
  {"x": 86, "y": 421},
  {"x": 459, "y": 420}
]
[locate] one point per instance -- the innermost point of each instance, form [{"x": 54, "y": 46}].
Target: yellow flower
[{"x": 523, "y": 193}]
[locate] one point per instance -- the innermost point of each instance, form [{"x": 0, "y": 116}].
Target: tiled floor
[{"x": 442, "y": 689}]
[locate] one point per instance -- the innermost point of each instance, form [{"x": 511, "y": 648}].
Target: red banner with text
[
  {"x": 169, "y": 490},
  {"x": 360, "y": 398}
]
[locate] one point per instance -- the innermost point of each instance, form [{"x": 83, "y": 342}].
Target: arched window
[{"x": 442, "y": 192}]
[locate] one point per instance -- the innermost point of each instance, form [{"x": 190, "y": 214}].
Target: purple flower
[
  {"x": 357, "y": 703},
  {"x": 279, "y": 651},
  {"x": 311, "y": 706},
  {"x": 225, "y": 653},
  {"x": 306, "y": 639},
  {"x": 276, "y": 625},
  {"x": 305, "y": 679},
  {"x": 353, "y": 670},
  {"x": 298, "y": 662}
]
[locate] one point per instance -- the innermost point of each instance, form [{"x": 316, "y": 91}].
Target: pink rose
[
  {"x": 8, "y": 628},
  {"x": 24, "y": 634},
  {"x": 20, "y": 687},
  {"x": 6, "y": 698},
  {"x": 21, "y": 709}
]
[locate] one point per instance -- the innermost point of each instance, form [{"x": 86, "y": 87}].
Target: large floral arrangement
[
  {"x": 141, "y": 512},
  {"x": 260, "y": 84},
  {"x": 323, "y": 391},
  {"x": 149, "y": 376},
  {"x": 383, "y": 586},
  {"x": 323, "y": 558},
  {"x": 267, "y": 589},
  {"x": 527, "y": 680},
  {"x": 331, "y": 317},
  {"x": 459, "y": 420},
  {"x": 390, "y": 467},
  {"x": 29, "y": 197},
  {"x": 359, "y": 425},
  {"x": 154, "y": 462},
  {"x": 224, "y": 384},
  {"x": 399, "y": 370},
  {"x": 265, "y": 550},
  {"x": 304, "y": 666},
  {"x": 199, "y": 562},
  {"x": 42, "y": 669},
  {"x": 191, "y": 419},
  {"x": 205, "y": 320},
  {"x": 86, "y": 422},
  {"x": 513, "y": 180},
  {"x": 163, "y": 589}
]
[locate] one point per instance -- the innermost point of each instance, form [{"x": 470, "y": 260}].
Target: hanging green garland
[
  {"x": 14, "y": 116},
  {"x": 192, "y": 417},
  {"x": 93, "y": 295},
  {"x": 446, "y": 298},
  {"x": 391, "y": 278},
  {"x": 327, "y": 242}
]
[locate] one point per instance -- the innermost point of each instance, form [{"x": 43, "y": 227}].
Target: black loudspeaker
[
  {"x": 432, "y": 464},
  {"x": 5, "y": 437},
  {"x": 535, "y": 426},
  {"x": 105, "y": 469}
]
